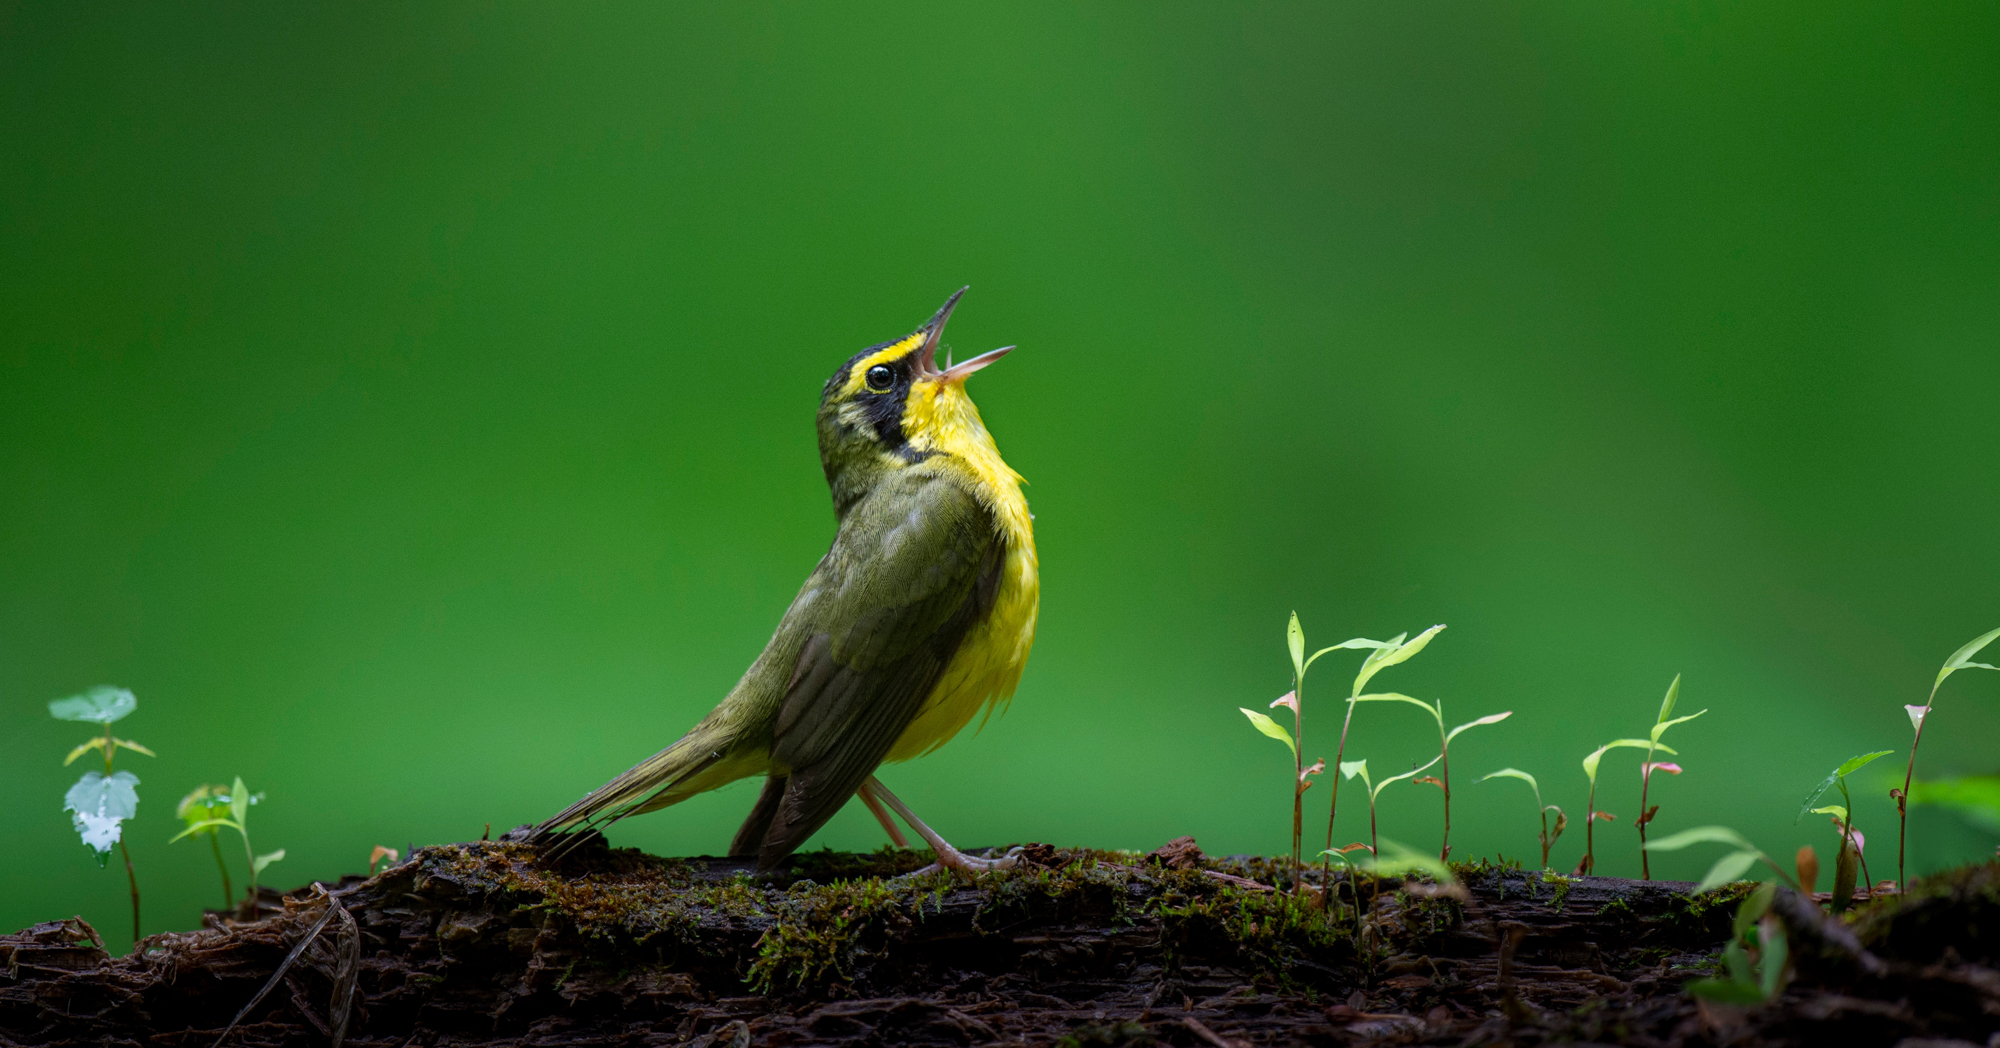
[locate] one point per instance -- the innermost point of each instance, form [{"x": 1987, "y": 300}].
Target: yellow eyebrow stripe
[{"x": 892, "y": 351}]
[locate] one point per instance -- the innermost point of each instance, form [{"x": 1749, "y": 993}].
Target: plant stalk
[
  {"x": 1903, "y": 800},
  {"x": 133, "y": 879},
  {"x": 1444, "y": 766},
  {"x": 1645, "y": 782},
  {"x": 215, "y": 845},
  {"x": 1298, "y": 778},
  {"x": 1333, "y": 803}
]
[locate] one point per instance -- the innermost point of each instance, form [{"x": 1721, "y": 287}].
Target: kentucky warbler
[{"x": 920, "y": 615}]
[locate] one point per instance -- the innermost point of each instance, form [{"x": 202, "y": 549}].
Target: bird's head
[{"x": 891, "y": 405}]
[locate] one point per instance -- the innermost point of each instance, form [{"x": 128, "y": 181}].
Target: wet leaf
[
  {"x": 95, "y": 794},
  {"x": 1491, "y": 718},
  {"x": 1848, "y": 767},
  {"x": 1917, "y": 714},
  {"x": 98, "y": 832},
  {"x": 100, "y": 705},
  {"x": 1257, "y": 720}
]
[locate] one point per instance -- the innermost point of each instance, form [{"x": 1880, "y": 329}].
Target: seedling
[
  {"x": 1349, "y": 769},
  {"x": 1382, "y": 654},
  {"x": 1547, "y": 838},
  {"x": 1752, "y": 979},
  {"x": 1960, "y": 660},
  {"x": 1731, "y": 866},
  {"x": 1402, "y": 860},
  {"x": 1443, "y": 782},
  {"x": 382, "y": 852},
  {"x": 1590, "y": 812},
  {"x": 1648, "y": 766},
  {"x": 239, "y": 801},
  {"x": 100, "y": 802},
  {"x": 1843, "y": 820},
  {"x": 204, "y": 805}
]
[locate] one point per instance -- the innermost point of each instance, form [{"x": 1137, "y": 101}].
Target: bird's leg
[
  {"x": 948, "y": 857},
  {"x": 867, "y": 796}
]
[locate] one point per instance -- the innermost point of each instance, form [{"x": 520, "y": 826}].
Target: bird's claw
[{"x": 953, "y": 859}]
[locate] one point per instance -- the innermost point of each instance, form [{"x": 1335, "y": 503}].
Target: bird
[{"x": 920, "y": 615}]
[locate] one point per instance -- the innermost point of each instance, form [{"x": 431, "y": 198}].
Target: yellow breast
[{"x": 941, "y": 419}]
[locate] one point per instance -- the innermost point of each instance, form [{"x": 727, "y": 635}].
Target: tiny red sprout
[
  {"x": 1854, "y": 837},
  {"x": 1290, "y": 700},
  {"x": 1665, "y": 766}
]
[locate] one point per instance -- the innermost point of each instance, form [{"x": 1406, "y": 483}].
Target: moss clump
[
  {"x": 1562, "y": 885},
  {"x": 822, "y": 929}
]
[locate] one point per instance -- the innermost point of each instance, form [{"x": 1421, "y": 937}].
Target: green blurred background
[{"x": 413, "y": 403}]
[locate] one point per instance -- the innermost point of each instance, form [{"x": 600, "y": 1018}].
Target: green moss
[
  {"x": 1562, "y": 886},
  {"x": 821, "y": 929}
]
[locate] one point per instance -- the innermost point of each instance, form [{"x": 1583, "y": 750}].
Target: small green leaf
[
  {"x": 1726, "y": 991},
  {"x": 1354, "y": 642},
  {"x": 1661, "y": 728},
  {"x": 1349, "y": 769},
  {"x": 1730, "y": 867},
  {"x": 1834, "y": 810},
  {"x": 1848, "y": 767},
  {"x": 206, "y": 824},
  {"x": 266, "y": 860},
  {"x": 1854, "y": 764},
  {"x": 1962, "y": 658},
  {"x": 1516, "y": 773},
  {"x": 1391, "y": 696},
  {"x": 1295, "y": 642},
  {"x": 1491, "y": 718},
  {"x": 1401, "y": 859},
  {"x": 94, "y": 744},
  {"x": 1257, "y": 720},
  {"x": 100, "y": 705},
  {"x": 1701, "y": 835},
  {"x": 239, "y": 802},
  {"x": 133, "y": 746},
  {"x": 1376, "y": 790},
  {"x": 1383, "y": 658},
  {"x": 1667, "y": 704},
  {"x": 1590, "y": 763},
  {"x": 1753, "y": 907}
]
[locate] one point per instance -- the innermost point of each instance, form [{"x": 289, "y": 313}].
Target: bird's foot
[{"x": 948, "y": 857}]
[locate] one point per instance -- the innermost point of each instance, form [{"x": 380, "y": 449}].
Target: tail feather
[{"x": 646, "y": 786}]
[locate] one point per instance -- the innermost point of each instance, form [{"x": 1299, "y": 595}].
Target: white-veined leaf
[
  {"x": 1491, "y": 718},
  {"x": 1257, "y": 720},
  {"x": 100, "y": 705},
  {"x": 110, "y": 797},
  {"x": 98, "y": 832}
]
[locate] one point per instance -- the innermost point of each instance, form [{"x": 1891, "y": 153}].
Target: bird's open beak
[{"x": 934, "y": 333}]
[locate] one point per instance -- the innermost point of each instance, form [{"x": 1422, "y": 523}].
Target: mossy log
[{"x": 488, "y": 943}]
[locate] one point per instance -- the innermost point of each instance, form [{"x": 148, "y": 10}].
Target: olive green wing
[{"x": 916, "y": 564}]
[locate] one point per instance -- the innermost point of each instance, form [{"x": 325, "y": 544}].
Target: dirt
[{"x": 489, "y": 943}]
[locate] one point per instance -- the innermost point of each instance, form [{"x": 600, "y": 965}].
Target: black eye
[{"x": 880, "y": 378}]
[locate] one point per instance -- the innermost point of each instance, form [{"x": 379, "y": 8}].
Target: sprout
[
  {"x": 1436, "y": 710},
  {"x": 1648, "y": 766},
  {"x": 239, "y": 801},
  {"x": 1547, "y": 838},
  {"x": 1843, "y": 821},
  {"x": 100, "y": 802},
  {"x": 1960, "y": 660}
]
